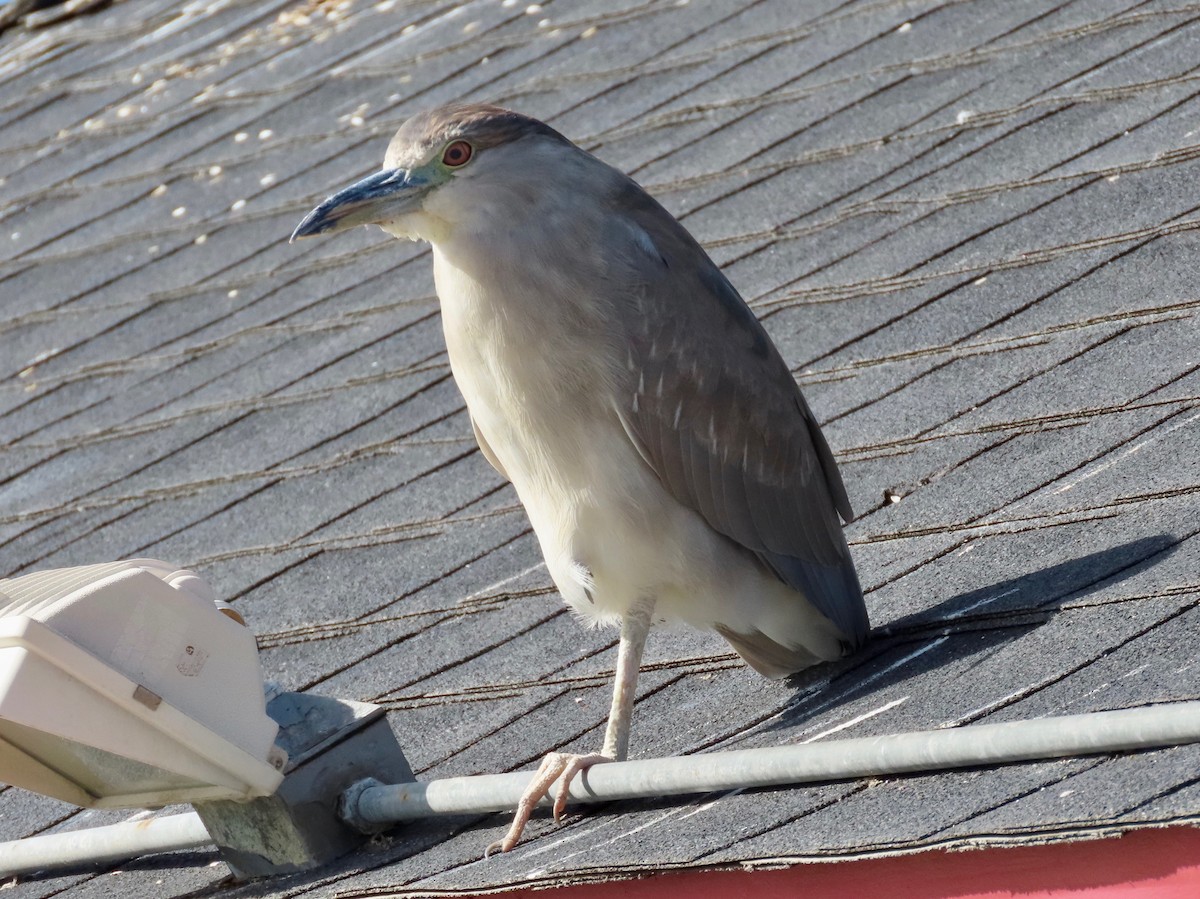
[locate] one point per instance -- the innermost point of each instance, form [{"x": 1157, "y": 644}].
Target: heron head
[{"x": 453, "y": 166}]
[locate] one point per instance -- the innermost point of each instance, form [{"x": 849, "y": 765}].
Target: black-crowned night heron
[{"x": 670, "y": 466}]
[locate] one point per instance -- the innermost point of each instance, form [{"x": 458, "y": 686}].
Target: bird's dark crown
[{"x": 481, "y": 124}]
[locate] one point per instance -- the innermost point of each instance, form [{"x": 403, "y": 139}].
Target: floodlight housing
[{"x": 126, "y": 685}]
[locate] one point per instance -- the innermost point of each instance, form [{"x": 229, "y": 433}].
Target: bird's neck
[{"x": 494, "y": 295}]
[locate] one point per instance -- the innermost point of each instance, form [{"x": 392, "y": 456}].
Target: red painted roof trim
[{"x": 1153, "y": 863}]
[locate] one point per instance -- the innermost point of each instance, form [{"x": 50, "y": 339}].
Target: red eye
[{"x": 457, "y": 153}]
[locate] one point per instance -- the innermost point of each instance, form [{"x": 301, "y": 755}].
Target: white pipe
[
  {"x": 369, "y": 805},
  {"x": 110, "y": 843}
]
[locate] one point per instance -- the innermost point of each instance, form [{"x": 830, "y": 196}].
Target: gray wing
[{"x": 715, "y": 412}]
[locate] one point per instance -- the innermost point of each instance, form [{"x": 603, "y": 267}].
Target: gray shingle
[{"x": 970, "y": 227}]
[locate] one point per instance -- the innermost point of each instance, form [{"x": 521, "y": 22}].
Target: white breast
[
  {"x": 537, "y": 390},
  {"x": 536, "y": 382}
]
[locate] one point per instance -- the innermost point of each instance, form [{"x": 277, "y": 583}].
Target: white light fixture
[{"x": 126, "y": 685}]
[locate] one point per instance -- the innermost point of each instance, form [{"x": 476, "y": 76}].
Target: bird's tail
[{"x": 769, "y": 657}]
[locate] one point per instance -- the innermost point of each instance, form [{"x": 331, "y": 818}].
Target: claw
[
  {"x": 554, "y": 766},
  {"x": 575, "y": 764}
]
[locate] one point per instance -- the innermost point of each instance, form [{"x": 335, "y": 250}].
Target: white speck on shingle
[
  {"x": 179, "y": 212},
  {"x": 240, "y": 137}
]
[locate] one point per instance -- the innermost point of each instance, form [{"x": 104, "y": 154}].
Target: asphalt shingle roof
[{"x": 971, "y": 227}]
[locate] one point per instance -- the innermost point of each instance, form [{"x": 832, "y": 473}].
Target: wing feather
[{"x": 729, "y": 433}]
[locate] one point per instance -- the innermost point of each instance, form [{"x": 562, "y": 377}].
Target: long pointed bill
[{"x": 381, "y": 197}]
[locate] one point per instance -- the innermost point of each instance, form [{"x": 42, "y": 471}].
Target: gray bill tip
[{"x": 312, "y": 224}]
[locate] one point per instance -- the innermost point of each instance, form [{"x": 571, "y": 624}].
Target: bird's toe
[
  {"x": 575, "y": 764},
  {"x": 559, "y": 766}
]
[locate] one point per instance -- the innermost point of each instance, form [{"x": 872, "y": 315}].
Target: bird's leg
[
  {"x": 563, "y": 767},
  {"x": 634, "y": 628}
]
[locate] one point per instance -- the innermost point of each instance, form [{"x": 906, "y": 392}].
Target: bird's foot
[{"x": 554, "y": 766}]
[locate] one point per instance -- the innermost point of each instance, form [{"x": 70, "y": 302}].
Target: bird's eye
[{"x": 457, "y": 153}]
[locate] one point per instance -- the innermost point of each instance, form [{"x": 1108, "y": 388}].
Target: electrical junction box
[{"x": 126, "y": 685}]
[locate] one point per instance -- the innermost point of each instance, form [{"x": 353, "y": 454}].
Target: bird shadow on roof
[{"x": 917, "y": 644}]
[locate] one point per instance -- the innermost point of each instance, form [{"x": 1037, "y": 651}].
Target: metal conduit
[
  {"x": 110, "y": 843},
  {"x": 370, "y": 805}
]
